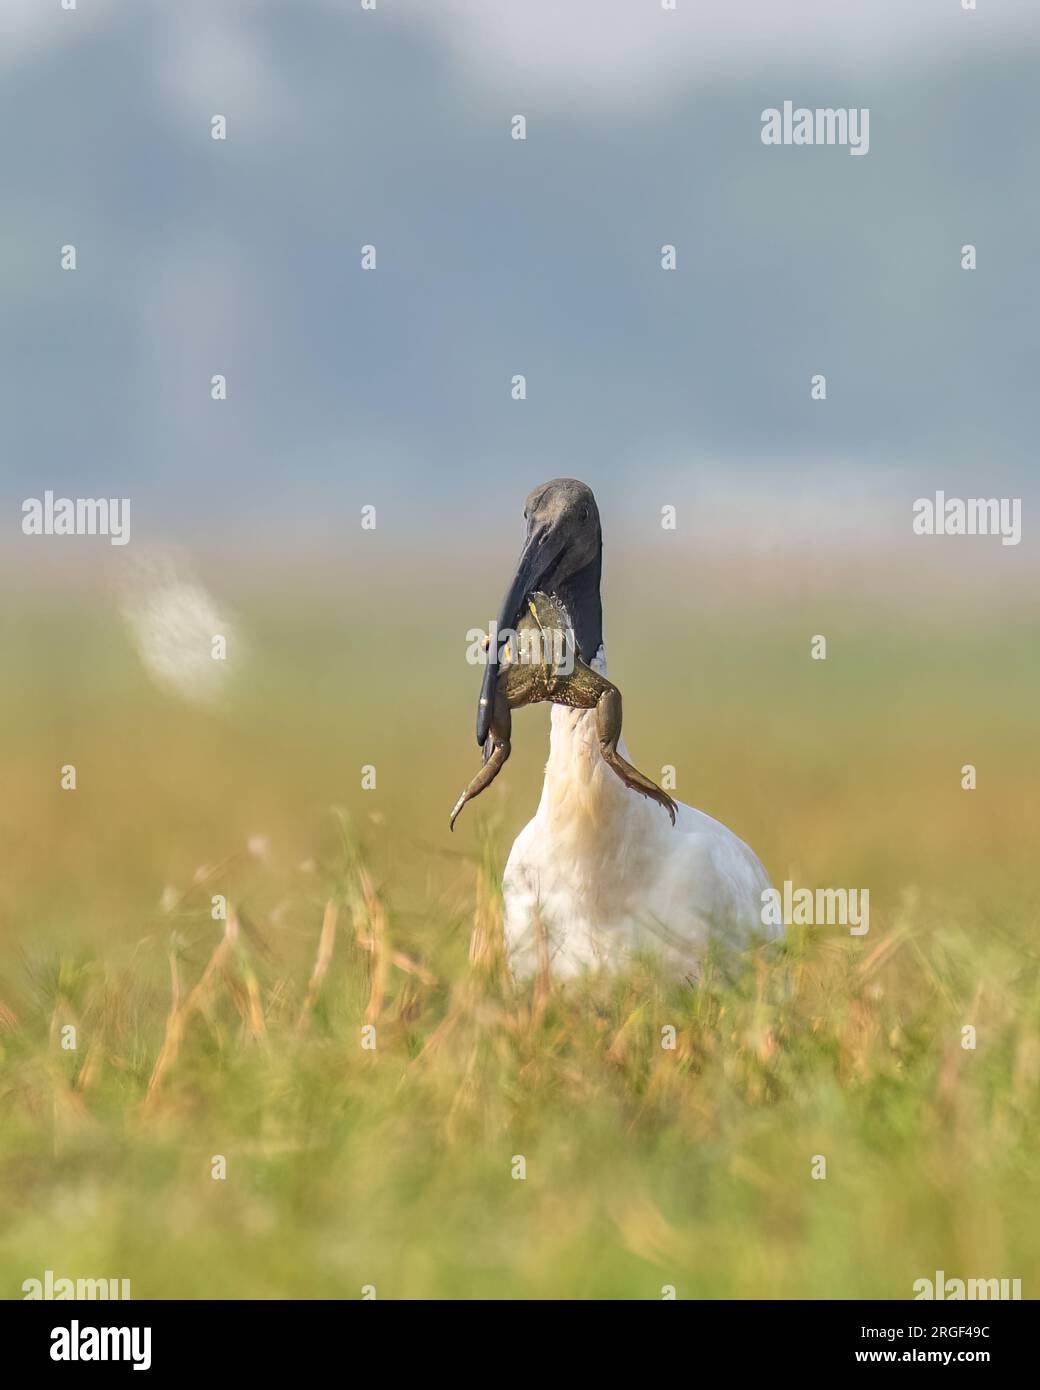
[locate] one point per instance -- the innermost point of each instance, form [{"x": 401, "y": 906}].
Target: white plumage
[{"x": 606, "y": 873}]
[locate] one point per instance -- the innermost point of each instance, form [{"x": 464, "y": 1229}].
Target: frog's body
[{"x": 546, "y": 667}]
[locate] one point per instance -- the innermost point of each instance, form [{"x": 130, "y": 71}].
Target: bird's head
[{"x": 562, "y": 555}]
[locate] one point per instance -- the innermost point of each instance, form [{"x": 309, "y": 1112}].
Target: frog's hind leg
[
  {"x": 496, "y": 751},
  {"x": 608, "y": 723}
]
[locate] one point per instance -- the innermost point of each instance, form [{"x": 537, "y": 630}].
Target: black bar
[{"x": 269, "y": 1337}]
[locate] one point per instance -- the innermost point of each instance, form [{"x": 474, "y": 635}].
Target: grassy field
[{"x": 393, "y": 1166}]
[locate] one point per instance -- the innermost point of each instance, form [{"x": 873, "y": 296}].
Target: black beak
[{"x": 534, "y": 569}]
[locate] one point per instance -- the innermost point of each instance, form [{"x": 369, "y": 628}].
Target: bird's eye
[{"x": 585, "y": 514}]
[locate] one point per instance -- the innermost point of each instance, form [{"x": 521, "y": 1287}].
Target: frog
[{"x": 540, "y": 664}]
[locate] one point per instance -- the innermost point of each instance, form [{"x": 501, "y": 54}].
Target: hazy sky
[{"x": 497, "y": 257}]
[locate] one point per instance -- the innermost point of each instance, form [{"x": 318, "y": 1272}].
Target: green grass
[{"x": 392, "y": 1167}]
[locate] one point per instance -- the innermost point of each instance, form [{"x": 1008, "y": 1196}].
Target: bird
[{"x": 600, "y": 873}]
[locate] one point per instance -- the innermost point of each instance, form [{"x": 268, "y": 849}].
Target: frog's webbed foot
[
  {"x": 496, "y": 751},
  {"x": 608, "y": 721},
  {"x": 483, "y": 779}
]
